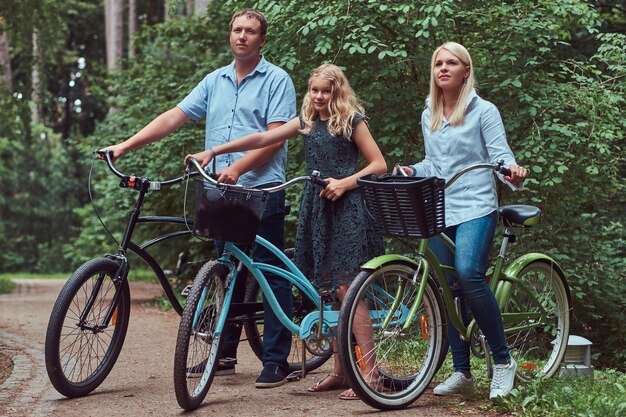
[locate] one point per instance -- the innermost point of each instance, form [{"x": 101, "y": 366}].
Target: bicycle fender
[
  {"x": 521, "y": 262},
  {"x": 385, "y": 259}
]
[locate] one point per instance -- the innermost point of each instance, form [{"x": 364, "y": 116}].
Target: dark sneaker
[
  {"x": 225, "y": 366},
  {"x": 271, "y": 376},
  {"x": 196, "y": 371}
]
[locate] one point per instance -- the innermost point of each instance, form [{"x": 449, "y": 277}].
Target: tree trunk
[
  {"x": 5, "y": 58},
  {"x": 132, "y": 27},
  {"x": 200, "y": 6},
  {"x": 114, "y": 32},
  {"x": 37, "y": 94}
]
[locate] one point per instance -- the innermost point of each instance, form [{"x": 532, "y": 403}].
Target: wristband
[
  {"x": 413, "y": 170},
  {"x": 213, "y": 153}
]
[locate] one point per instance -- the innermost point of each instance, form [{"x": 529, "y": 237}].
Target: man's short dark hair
[{"x": 251, "y": 14}]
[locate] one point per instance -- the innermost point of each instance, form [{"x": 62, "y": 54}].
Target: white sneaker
[
  {"x": 457, "y": 383},
  {"x": 503, "y": 378}
]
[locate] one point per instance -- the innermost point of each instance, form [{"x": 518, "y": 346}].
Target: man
[{"x": 247, "y": 96}]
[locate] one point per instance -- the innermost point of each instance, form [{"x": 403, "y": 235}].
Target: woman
[{"x": 461, "y": 129}]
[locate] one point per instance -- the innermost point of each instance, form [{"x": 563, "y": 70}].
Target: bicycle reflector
[{"x": 424, "y": 327}]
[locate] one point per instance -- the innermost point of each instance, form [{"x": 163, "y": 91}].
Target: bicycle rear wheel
[
  {"x": 538, "y": 343},
  {"x": 81, "y": 346},
  {"x": 199, "y": 341},
  {"x": 406, "y": 357},
  {"x": 253, "y": 327}
]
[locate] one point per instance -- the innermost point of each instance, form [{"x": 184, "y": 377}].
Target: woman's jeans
[{"x": 473, "y": 241}]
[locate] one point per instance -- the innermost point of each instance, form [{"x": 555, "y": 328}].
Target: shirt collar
[
  {"x": 261, "y": 67},
  {"x": 472, "y": 96}
]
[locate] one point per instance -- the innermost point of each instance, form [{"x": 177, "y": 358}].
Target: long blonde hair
[
  {"x": 342, "y": 106},
  {"x": 457, "y": 117}
]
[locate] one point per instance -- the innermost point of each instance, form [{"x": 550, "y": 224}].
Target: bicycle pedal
[
  {"x": 294, "y": 376},
  {"x": 185, "y": 291},
  {"x": 228, "y": 361}
]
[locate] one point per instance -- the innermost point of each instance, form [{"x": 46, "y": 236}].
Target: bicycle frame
[
  {"x": 292, "y": 274},
  {"x": 500, "y": 282}
]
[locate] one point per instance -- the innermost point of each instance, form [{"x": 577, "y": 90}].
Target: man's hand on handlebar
[{"x": 116, "y": 152}]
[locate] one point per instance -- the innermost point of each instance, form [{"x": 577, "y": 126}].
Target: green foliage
[
  {"x": 6, "y": 285},
  {"x": 604, "y": 395}
]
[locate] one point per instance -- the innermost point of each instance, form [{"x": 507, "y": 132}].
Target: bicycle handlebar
[
  {"x": 498, "y": 167},
  {"x": 314, "y": 178},
  {"x": 132, "y": 181}
]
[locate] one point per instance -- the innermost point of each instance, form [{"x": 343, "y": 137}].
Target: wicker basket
[
  {"x": 228, "y": 213},
  {"x": 405, "y": 206}
]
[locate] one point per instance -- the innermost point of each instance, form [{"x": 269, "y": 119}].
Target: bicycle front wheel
[
  {"x": 199, "y": 341},
  {"x": 537, "y": 320},
  {"x": 81, "y": 344},
  {"x": 391, "y": 365}
]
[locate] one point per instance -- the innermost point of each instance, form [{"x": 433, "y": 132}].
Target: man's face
[{"x": 246, "y": 40}]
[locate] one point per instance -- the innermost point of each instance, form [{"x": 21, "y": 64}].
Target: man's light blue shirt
[
  {"x": 264, "y": 96},
  {"x": 480, "y": 139}
]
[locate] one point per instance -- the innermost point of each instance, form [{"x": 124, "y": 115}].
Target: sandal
[
  {"x": 348, "y": 395},
  {"x": 340, "y": 383}
]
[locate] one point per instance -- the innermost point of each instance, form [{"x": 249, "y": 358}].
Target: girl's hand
[
  {"x": 518, "y": 174},
  {"x": 334, "y": 190},
  {"x": 202, "y": 157}
]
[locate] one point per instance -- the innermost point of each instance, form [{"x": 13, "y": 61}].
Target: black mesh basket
[
  {"x": 229, "y": 213},
  {"x": 405, "y": 206}
]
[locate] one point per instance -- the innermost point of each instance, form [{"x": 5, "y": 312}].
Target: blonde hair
[
  {"x": 457, "y": 117},
  {"x": 343, "y": 104}
]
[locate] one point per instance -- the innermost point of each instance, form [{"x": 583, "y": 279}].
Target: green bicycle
[{"x": 407, "y": 297}]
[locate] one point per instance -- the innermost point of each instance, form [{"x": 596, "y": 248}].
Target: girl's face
[
  {"x": 320, "y": 94},
  {"x": 449, "y": 71}
]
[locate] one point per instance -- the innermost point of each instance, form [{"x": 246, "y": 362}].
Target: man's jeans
[
  {"x": 276, "y": 337},
  {"x": 473, "y": 241}
]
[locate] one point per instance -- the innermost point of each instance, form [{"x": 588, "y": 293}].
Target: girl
[
  {"x": 461, "y": 129},
  {"x": 335, "y": 235}
]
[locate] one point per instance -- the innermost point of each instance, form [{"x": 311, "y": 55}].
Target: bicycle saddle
[{"x": 520, "y": 214}]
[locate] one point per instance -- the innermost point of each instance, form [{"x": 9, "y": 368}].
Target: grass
[{"x": 602, "y": 396}]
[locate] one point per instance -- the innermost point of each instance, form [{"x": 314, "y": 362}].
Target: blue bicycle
[{"x": 232, "y": 214}]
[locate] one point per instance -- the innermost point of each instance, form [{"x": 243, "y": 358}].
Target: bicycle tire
[
  {"x": 406, "y": 360},
  {"x": 196, "y": 344},
  {"x": 539, "y": 350},
  {"x": 80, "y": 355},
  {"x": 253, "y": 328}
]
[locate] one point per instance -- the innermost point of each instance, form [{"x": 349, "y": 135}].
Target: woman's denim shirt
[{"x": 480, "y": 139}]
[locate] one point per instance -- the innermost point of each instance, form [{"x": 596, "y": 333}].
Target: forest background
[{"x": 77, "y": 75}]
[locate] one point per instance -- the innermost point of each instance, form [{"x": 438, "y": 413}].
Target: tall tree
[
  {"x": 5, "y": 60},
  {"x": 132, "y": 27},
  {"x": 114, "y": 32}
]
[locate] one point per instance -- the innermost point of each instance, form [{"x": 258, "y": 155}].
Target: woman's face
[
  {"x": 320, "y": 94},
  {"x": 449, "y": 71}
]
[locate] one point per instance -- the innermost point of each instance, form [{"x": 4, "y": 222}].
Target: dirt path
[{"x": 141, "y": 381}]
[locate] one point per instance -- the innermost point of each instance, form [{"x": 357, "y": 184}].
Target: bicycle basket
[
  {"x": 228, "y": 212},
  {"x": 405, "y": 206}
]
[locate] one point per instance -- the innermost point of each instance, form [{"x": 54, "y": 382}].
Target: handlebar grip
[
  {"x": 315, "y": 178},
  {"x": 319, "y": 181},
  {"x": 505, "y": 171}
]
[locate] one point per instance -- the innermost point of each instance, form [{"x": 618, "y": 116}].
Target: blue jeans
[
  {"x": 472, "y": 240},
  {"x": 276, "y": 337}
]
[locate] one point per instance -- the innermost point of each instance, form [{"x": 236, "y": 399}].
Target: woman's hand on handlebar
[
  {"x": 405, "y": 171},
  {"x": 518, "y": 174}
]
